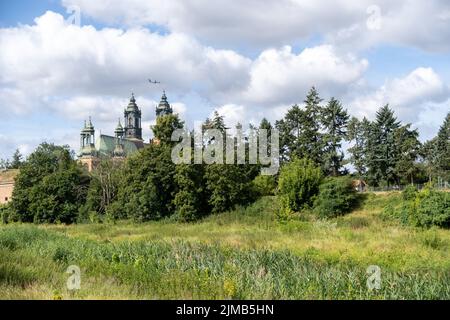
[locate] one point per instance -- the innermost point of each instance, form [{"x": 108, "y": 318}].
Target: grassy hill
[{"x": 243, "y": 254}]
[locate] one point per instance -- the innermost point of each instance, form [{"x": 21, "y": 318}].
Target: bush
[
  {"x": 265, "y": 185},
  {"x": 298, "y": 184},
  {"x": 409, "y": 193},
  {"x": 51, "y": 187},
  {"x": 426, "y": 208},
  {"x": 336, "y": 197},
  {"x": 431, "y": 208},
  {"x": 5, "y": 212}
]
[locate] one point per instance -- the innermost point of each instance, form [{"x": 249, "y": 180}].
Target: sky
[{"x": 62, "y": 61}]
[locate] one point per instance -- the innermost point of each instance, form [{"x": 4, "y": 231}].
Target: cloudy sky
[{"x": 62, "y": 61}]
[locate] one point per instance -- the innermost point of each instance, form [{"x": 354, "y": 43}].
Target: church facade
[{"x": 127, "y": 138}]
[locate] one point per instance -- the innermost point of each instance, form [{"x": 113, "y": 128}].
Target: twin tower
[{"x": 127, "y": 139}]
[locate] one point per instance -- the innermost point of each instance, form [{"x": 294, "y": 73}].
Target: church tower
[
  {"x": 133, "y": 128},
  {"x": 88, "y": 153},
  {"x": 119, "y": 150},
  {"x": 164, "y": 107}
]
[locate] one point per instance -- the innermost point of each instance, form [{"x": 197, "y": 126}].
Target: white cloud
[
  {"x": 406, "y": 95},
  {"x": 420, "y": 98},
  {"x": 54, "y": 58},
  {"x": 79, "y": 70},
  {"x": 74, "y": 72},
  {"x": 279, "y": 22},
  {"x": 281, "y": 76}
]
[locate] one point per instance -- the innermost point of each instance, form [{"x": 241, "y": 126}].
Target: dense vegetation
[
  {"x": 53, "y": 187},
  {"x": 425, "y": 208},
  {"x": 241, "y": 254}
]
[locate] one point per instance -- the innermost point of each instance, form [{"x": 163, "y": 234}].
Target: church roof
[
  {"x": 105, "y": 145},
  {"x": 119, "y": 128}
]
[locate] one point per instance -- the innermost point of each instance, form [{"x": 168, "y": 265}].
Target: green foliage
[
  {"x": 186, "y": 270},
  {"x": 436, "y": 153},
  {"x": 5, "y": 212},
  {"x": 105, "y": 182},
  {"x": 17, "y": 160},
  {"x": 265, "y": 185},
  {"x": 334, "y": 119},
  {"x": 191, "y": 199},
  {"x": 229, "y": 186},
  {"x": 431, "y": 208},
  {"x": 148, "y": 186},
  {"x": 426, "y": 208},
  {"x": 300, "y": 134},
  {"x": 164, "y": 127},
  {"x": 51, "y": 187},
  {"x": 336, "y": 197},
  {"x": 298, "y": 184},
  {"x": 409, "y": 193}
]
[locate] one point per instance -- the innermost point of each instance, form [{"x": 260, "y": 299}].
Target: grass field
[{"x": 244, "y": 254}]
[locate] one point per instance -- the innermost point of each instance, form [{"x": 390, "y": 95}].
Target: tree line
[{"x": 53, "y": 187}]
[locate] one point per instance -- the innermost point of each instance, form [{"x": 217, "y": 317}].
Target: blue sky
[{"x": 247, "y": 60}]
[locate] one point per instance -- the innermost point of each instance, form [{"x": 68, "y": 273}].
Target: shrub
[
  {"x": 431, "y": 208},
  {"x": 51, "y": 187},
  {"x": 336, "y": 197},
  {"x": 298, "y": 184},
  {"x": 426, "y": 208},
  {"x": 409, "y": 193},
  {"x": 5, "y": 212},
  {"x": 265, "y": 185}
]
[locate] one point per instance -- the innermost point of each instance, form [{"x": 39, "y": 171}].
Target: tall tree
[
  {"x": 311, "y": 138},
  {"x": 356, "y": 133},
  {"x": 290, "y": 129},
  {"x": 407, "y": 147},
  {"x": 164, "y": 127},
  {"x": 227, "y": 185},
  {"x": 381, "y": 147},
  {"x": 51, "y": 186},
  {"x": 300, "y": 134},
  {"x": 17, "y": 160},
  {"x": 334, "y": 119},
  {"x": 436, "y": 153},
  {"x": 443, "y": 149}
]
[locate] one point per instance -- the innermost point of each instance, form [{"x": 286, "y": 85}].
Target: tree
[
  {"x": 334, "y": 120},
  {"x": 381, "y": 148},
  {"x": 16, "y": 160},
  {"x": 5, "y": 164},
  {"x": 443, "y": 149},
  {"x": 51, "y": 186},
  {"x": 357, "y": 133},
  {"x": 148, "y": 186},
  {"x": 164, "y": 127},
  {"x": 311, "y": 138},
  {"x": 300, "y": 134},
  {"x": 407, "y": 148},
  {"x": 290, "y": 129},
  {"x": 436, "y": 153},
  {"x": 228, "y": 185},
  {"x": 191, "y": 199},
  {"x": 105, "y": 181},
  {"x": 298, "y": 184}
]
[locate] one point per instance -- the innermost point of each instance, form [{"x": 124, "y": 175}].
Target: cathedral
[{"x": 127, "y": 138}]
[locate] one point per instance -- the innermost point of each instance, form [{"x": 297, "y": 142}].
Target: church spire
[
  {"x": 133, "y": 129},
  {"x": 164, "y": 107}
]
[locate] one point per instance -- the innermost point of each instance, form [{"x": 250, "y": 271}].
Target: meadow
[{"x": 243, "y": 254}]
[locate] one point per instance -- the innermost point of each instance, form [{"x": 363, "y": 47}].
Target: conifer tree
[
  {"x": 381, "y": 148},
  {"x": 334, "y": 119}
]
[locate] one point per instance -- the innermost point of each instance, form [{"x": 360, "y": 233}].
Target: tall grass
[
  {"x": 32, "y": 258},
  {"x": 242, "y": 254}
]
